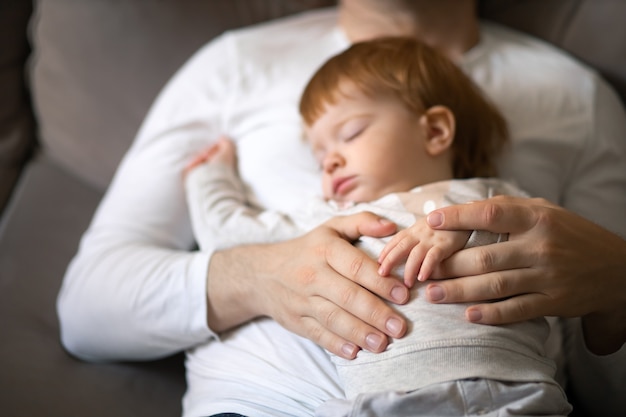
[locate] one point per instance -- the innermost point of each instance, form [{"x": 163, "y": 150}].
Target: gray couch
[{"x": 77, "y": 77}]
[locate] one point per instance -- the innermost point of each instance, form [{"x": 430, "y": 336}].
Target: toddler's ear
[{"x": 439, "y": 124}]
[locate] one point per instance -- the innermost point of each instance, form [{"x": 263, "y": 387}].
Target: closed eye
[
  {"x": 354, "y": 135},
  {"x": 352, "y": 129}
]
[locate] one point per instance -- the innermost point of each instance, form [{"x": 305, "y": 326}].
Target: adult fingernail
[
  {"x": 435, "y": 293},
  {"x": 374, "y": 341},
  {"x": 394, "y": 326},
  {"x": 434, "y": 219},
  {"x": 349, "y": 350},
  {"x": 399, "y": 294},
  {"x": 474, "y": 315}
]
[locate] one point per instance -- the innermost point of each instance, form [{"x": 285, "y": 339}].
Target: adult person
[
  {"x": 136, "y": 291},
  {"x": 398, "y": 130}
]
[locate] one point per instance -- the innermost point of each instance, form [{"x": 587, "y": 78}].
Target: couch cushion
[
  {"x": 38, "y": 235},
  {"x": 98, "y": 65}
]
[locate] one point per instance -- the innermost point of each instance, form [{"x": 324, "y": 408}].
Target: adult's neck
[{"x": 451, "y": 26}]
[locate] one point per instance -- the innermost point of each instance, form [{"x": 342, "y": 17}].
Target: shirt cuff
[{"x": 198, "y": 294}]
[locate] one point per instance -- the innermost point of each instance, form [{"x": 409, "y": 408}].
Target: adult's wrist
[{"x": 230, "y": 301}]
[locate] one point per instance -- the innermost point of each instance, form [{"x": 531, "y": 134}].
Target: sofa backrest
[
  {"x": 593, "y": 31},
  {"x": 98, "y": 64}
]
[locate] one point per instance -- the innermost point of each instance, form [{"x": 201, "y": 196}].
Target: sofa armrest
[{"x": 17, "y": 131}]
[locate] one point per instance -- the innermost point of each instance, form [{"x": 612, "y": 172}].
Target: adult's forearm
[{"x": 133, "y": 303}]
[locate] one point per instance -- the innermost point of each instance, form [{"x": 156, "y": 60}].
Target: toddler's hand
[
  {"x": 422, "y": 248},
  {"x": 223, "y": 151}
]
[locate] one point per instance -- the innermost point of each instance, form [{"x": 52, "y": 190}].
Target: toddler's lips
[{"x": 343, "y": 185}]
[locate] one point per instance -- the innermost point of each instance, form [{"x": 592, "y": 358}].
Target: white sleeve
[
  {"x": 221, "y": 216},
  {"x": 597, "y": 187},
  {"x": 599, "y": 193},
  {"x": 135, "y": 290}
]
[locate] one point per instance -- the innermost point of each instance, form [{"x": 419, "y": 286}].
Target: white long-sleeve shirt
[{"x": 136, "y": 291}]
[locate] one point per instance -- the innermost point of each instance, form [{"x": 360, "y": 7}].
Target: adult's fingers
[
  {"x": 360, "y": 293},
  {"x": 354, "y": 264},
  {"x": 361, "y": 224},
  {"x": 338, "y": 290},
  {"x": 341, "y": 331},
  {"x": 502, "y": 214},
  {"x": 510, "y": 310},
  {"x": 485, "y": 259},
  {"x": 336, "y": 330},
  {"x": 490, "y": 286},
  {"x": 315, "y": 301},
  {"x": 517, "y": 295}
]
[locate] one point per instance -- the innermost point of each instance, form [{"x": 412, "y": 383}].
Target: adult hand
[
  {"x": 555, "y": 263},
  {"x": 318, "y": 286}
]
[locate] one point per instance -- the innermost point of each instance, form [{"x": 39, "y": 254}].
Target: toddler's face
[{"x": 367, "y": 147}]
